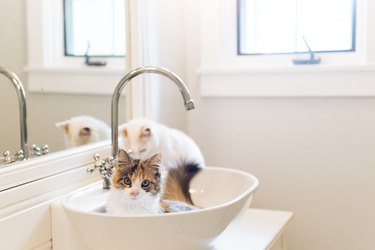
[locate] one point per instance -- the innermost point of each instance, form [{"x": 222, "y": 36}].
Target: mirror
[
  {"x": 59, "y": 120},
  {"x": 44, "y": 109}
]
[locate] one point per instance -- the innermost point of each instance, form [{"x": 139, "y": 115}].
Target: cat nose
[{"x": 134, "y": 193}]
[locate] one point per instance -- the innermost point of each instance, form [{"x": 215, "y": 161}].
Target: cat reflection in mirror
[
  {"x": 142, "y": 187},
  {"x": 143, "y": 138},
  {"x": 80, "y": 130}
]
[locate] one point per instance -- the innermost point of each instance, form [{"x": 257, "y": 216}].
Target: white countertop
[{"x": 256, "y": 230}]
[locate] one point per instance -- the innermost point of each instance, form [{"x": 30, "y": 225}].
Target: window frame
[
  {"x": 240, "y": 29},
  {"x": 49, "y": 70},
  {"x": 223, "y": 73},
  {"x": 65, "y": 23}
]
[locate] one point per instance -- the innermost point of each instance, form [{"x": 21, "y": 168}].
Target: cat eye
[
  {"x": 145, "y": 183},
  {"x": 127, "y": 181}
]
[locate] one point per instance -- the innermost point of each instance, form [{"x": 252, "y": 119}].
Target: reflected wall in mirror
[
  {"x": 62, "y": 107},
  {"x": 44, "y": 108}
]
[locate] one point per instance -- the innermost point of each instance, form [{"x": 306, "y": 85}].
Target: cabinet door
[{"x": 27, "y": 229}]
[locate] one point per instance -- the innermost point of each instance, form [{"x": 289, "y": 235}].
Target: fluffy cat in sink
[
  {"x": 84, "y": 129},
  {"x": 144, "y": 138},
  {"x": 139, "y": 187}
]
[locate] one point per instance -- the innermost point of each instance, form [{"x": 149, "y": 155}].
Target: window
[
  {"x": 225, "y": 73},
  {"x": 49, "y": 70},
  {"x": 290, "y": 26},
  {"x": 94, "y": 27}
]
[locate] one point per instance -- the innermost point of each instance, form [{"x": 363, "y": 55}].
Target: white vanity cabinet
[
  {"x": 27, "y": 223},
  {"x": 258, "y": 229},
  {"x": 28, "y": 189},
  {"x": 27, "y": 229}
]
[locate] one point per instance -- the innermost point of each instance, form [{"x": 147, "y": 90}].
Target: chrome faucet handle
[
  {"x": 38, "y": 151},
  {"x": 35, "y": 150},
  {"x": 8, "y": 158},
  {"x": 97, "y": 164},
  {"x": 45, "y": 149},
  {"x": 20, "y": 155},
  {"x": 104, "y": 167},
  {"x": 110, "y": 161}
]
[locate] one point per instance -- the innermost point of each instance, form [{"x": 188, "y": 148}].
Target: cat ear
[
  {"x": 124, "y": 132},
  {"x": 86, "y": 131},
  {"x": 63, "y": 125},
  {"x": 154, "y": 161},
  {"x": 146, "y": 131},
  {"x": 124, "y": 159}
]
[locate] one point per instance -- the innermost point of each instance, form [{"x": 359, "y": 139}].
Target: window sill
[
  {"x": 297, "y": 81},
  {"x": 77, "y": 80}
]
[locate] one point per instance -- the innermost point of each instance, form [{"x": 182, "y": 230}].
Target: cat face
[
  {"x": 74, "y": 135},
  {"x": 138, "y": 140},
  {"x": 138, "y": 180},
  {"x": 82, "y": 130}
]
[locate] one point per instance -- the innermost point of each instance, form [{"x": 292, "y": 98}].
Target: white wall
[
  {"x": 313, "y": 156},
  {"x": 167, "y": 48}
]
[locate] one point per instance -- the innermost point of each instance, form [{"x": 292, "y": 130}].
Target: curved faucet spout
[
  {"x": 189, "y": 104},
  {"x": 22, "y": 107}
]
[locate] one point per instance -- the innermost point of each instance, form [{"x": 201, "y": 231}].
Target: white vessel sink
[{"x": 222, "y": 193}]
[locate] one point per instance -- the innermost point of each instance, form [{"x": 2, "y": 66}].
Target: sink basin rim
[{"x": 97, "y": 187}]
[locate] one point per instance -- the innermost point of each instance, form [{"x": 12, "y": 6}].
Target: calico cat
[
  {"x": 144, "y": 138},
  {"x": 138, "y": 187},
  {"x": 80, "y": 130}
]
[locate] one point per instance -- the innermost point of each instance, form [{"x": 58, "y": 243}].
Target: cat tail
[{"x": 177, "y": 182}]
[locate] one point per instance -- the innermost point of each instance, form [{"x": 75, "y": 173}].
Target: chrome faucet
[
  {"x": 105, "y": 166},
  {"x": 189, "y": 104},
  {"x": 23, "y": 153}
]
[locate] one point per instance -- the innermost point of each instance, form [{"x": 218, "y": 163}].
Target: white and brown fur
[
  {"x": 80, "y": 130},
  {"x": 139, "y": 187},
  {"x": 143, "y": 138}
]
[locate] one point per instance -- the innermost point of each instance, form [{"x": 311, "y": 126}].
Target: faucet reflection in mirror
[
  {"x": 23, "y": 153},
  {"x": 105, "y": 166}
]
